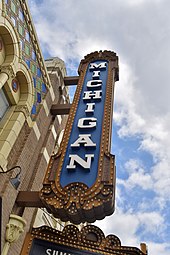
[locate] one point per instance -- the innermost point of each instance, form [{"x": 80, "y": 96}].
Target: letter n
[{"x": 83, "y": 163}]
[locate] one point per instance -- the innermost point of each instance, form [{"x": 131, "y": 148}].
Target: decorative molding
[
  {"x": 8, "y": 70},
  {"x": 13, "y": 232},
  {"x": 89, "y": 239},
  {"x": 109, "y": 55},
  {"x": 15, "y": 85},
  {"x": 14, "y": 229},
  {"x": 79, "y": 203},
  {"x": 23, "y": 109}
]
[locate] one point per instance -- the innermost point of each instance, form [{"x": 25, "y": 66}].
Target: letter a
[{"x": 84, "y": 139}]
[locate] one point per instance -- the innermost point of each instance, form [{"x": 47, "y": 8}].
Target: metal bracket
[
  {"x": 29, "y": 199},
  {"x": 60, "y": 109},
  {"x": 71, "y": 80}
]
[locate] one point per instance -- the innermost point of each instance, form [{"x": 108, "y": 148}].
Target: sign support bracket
[
  {"x": 29, "y": 199},
  {"x": 71, "y": 80},
  {"x": 60, "y": 109}
]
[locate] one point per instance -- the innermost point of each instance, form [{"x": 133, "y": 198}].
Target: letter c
[{"x": 94, "y": 83}]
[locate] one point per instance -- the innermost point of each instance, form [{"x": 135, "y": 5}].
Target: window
[
  {"x": 39, "y": 72},
  {"x": 13, "y": 7},
  {"x": 38, "y": 85},
  {"x": 22, "y": 44},
  {"x": 20, "y": 29},
  {"x": 34, "y": 80},
  {"x": 33, "y": 55},
  {"x": 21, "y": 15},
  {"x": 27, "y": 49},
  {"x": 4, "y": 104},
  {"x": 44, "y": 90},
  {"x": 27, "y": 62},
  {"x": 13, "y": 21},
  {"x": 27, "y": 36},
  {"x": 33, "y": 68}
]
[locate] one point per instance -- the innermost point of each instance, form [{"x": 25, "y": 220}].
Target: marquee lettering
[
  {"x": 55, "y": 252},
  {"x": 94, "y": 83},
  {"x": 92, "y": 95},
  {"x": 84, "y": 139},
  {"x": 90, "y": 108},
  {"x": 101, "y": 65},
  {"x": 80, "y": 161},
  {"x": 96, "y": 74},
  {"x": 88, "y": 122}
]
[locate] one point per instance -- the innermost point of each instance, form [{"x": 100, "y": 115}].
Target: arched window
[
  {"x": 4, "y": 104},
  {"x": 16, "y": 92}
]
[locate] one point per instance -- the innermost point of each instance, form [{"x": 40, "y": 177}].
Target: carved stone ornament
[
  {"x": 23, "y": 109},
  {"x": 14, "y": 228},
  {"x": 8, "y": 70},
  {"x": 90, "y": 240},
  {"x": 74, "y": 194}
]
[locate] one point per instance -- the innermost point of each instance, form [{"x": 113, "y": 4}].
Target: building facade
[{"x": 28, "y": 132}]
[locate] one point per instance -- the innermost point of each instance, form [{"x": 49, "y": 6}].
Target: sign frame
[
  {"x": 76, "y": 202},
  {"x": 90, "y": 239}
]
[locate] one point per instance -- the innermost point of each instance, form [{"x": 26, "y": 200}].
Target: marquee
[{"x": 90, "y": 240}]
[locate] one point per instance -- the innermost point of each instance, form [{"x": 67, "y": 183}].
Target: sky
[{"x": 139, "y": 32}]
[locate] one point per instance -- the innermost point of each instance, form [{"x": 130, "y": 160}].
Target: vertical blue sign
[{"x": 83, "y": 149}]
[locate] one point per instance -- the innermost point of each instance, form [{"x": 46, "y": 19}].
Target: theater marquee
[
  {"x": 80, "y": 181},
  {"x": 90, "y": 240}
]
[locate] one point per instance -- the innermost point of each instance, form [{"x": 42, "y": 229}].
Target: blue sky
[{"x": 139, "y": 32}]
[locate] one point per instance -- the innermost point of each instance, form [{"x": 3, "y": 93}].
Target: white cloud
[
  {"x": 161, "y": 175},
  {"x": 130, "y": 122},
  {"x": 140, "y": 2},
  {"x": 126, "y": 224},
  {"x": 158, "y": 180},
  {"x": 137, "y": 176},
  {"x": 158, "y": 248},
  {"x": 122, "y": 225},
  {"x": 152, "y": 222},
  {"x": 153, "y": 131}
]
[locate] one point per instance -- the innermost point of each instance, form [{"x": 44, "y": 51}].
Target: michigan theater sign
[{"x": 79, "y": 184}]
